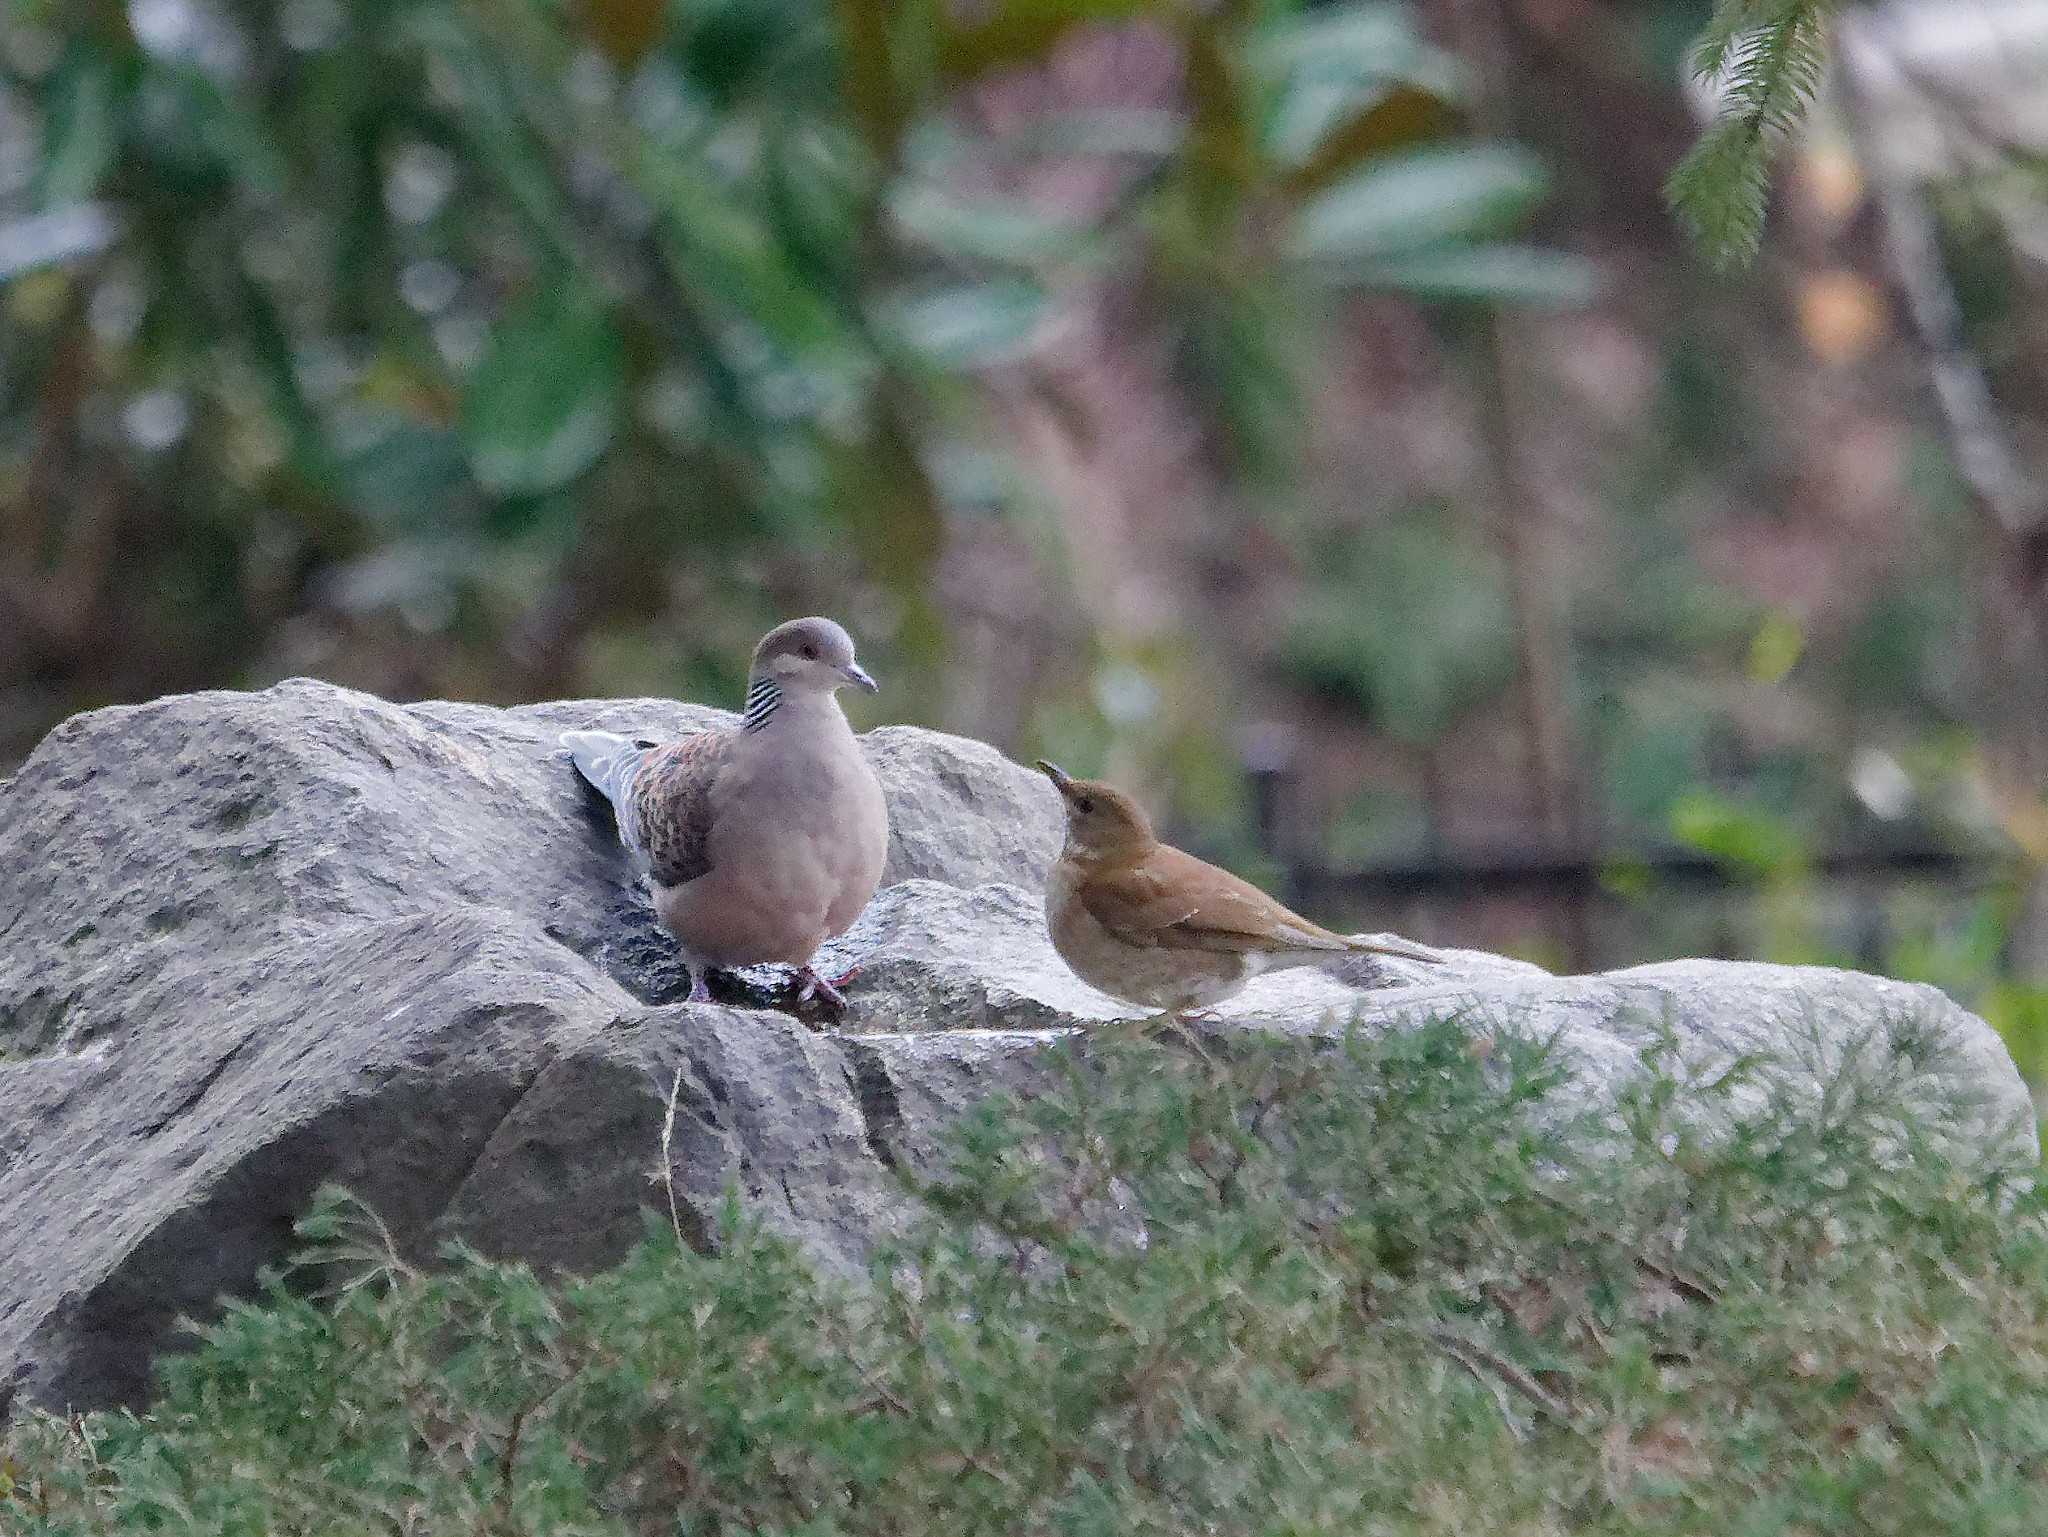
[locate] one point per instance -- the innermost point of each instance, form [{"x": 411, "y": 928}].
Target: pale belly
[{"x": 1155, "y": 979}]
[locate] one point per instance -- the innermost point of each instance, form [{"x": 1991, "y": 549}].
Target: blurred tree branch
[
  {"x": 2011, "y": 501},
  {"x": 2015, "y": 501}
]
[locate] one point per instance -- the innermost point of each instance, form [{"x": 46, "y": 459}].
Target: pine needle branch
[{"x": 1768, "y": 56}]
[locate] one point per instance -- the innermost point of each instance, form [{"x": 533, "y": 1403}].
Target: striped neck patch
[{"x": 764, "y": 697}]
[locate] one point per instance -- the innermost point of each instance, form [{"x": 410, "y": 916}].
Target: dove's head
[
  {"x": 1101, "y": 819},
  {"x": 809, "y": 654}
]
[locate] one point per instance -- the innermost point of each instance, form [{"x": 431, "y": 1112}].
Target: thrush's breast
[{"x": 1148, "y": 975}]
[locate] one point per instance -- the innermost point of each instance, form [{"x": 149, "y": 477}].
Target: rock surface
[{"x": 250, "y": 943}]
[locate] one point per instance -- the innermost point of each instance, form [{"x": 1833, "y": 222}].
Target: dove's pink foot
[{"x": 814, "y": 986}]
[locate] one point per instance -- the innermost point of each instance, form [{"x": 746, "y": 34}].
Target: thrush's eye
[
  {"x": 1084, "y": 805},
  {"x": 811, "y": 652}
]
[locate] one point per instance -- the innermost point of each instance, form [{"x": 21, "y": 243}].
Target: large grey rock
[{"x": 254, "y": 942}]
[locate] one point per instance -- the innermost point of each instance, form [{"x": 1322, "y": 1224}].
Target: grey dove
[{"x": 762, "y": 840}]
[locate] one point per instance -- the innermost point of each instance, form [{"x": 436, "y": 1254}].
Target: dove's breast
[{"x": 799, "y": 837}]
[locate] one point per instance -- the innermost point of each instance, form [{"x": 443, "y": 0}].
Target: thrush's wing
[
  {"x": 666, "y": 814},
  {"x": 1173, "y": 901}
]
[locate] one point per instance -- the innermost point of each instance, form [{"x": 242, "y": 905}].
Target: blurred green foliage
[
  {"x": 510, "y": 348},
  {"x": 511, "y": 316},
  {"x": 1409, "y": 621}
]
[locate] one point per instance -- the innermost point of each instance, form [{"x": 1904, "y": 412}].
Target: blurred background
[{"x": 1310, "y": 414}]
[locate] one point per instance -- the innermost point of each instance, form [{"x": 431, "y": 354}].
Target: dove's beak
[
  {"x": 1059, "y": 776},
  {"x": 858, "y": 676}
]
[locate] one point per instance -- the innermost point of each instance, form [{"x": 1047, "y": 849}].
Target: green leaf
[
  {"x": 1720, "y": 192},
  {"x": 719, "y": 250},
  {"x": 1329, "y": 70},
  {"x": 1735, "y": 23},
  {"x": 1310, "y": 115},
  {"x": 544, "y": 401},
  {"x": 968, "y": 326},
  {"x": 1146, "y": 132},
  {"x": 740, "y": 50},
  {"x": 81, "y": 130},
  {"x": 54, "y": 239},
  {"x": 504, "y": 142},
  {"x": 815, "y": 189},
  {"x": 1418, "y": 198},
  {"x": 1504, "y": 274},
  {"x": 982, "y": 229},
  {"x": 1385, "y": 120},
  {"x": 1374, "y": 39},
  {"x": 1749, "y": 840}
]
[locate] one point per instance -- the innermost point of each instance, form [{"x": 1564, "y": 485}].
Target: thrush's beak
[
  {"x": 858, "y": 676},
  {"x": 1059, "y": 776}
]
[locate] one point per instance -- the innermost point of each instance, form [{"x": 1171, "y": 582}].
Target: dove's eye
[
  {"x": 811, "y": 652},
  {"x": 1084, "y": 805}
]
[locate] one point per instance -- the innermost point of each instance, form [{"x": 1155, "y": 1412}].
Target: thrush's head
[
  {"x": 809, "y": 654},
  {"x": 1100, "y": 818}
]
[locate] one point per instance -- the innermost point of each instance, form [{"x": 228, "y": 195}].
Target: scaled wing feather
[{"x": 668, "y": 806}]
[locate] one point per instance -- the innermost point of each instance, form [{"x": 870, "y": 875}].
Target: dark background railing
[{"x": 1578, "y": 893}]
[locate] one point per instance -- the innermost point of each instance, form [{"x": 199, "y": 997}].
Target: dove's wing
[{"x": 665, "y": 815}]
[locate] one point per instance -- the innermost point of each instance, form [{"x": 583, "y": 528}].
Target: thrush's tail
[
  {"x": 607, "y": 760},
  {"x": 1359, "y": 946}
]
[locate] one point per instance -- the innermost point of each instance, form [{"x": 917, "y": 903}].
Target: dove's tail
[{"x": 607, "y": 760}]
